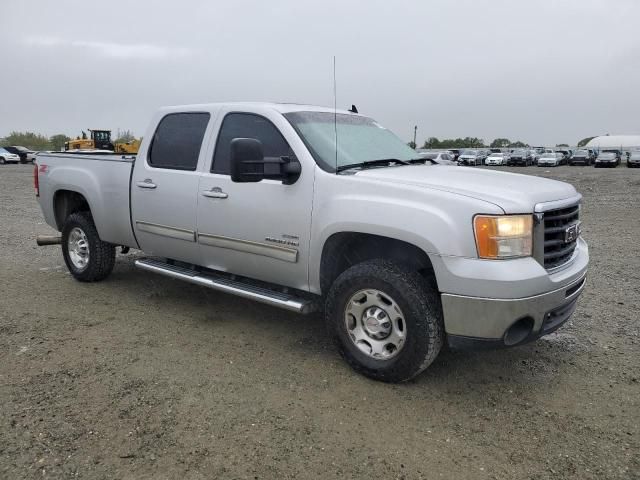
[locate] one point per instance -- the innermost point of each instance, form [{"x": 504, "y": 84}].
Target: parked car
[
  {"x": 607, "y": 159},
  {"x": 497, "y": 159},
  {"x": 7, "y": 157},
  {"x": 456, "y": 152},
  {"x": 26, "y": 155},
  {"x": 439, "y": 158},
  {"x": 470, "y": 157},
  {"x": 551, "y": 159},
  {"x": 616, "y": 152},
  {"x": 581, "y": 157},
  {"x": 566, "y": 154},
  {"x": 634, "y": 159},
  {"x": 402, "y": 258},
  {"x": 535, "y": 155},
  {"x": 520, "y": 157}
]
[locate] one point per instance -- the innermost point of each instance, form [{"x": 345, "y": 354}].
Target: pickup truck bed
[{"x": 103, "y": 181}]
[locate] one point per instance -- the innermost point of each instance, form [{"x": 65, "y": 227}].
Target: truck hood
[{"x": 514, "y": 193}]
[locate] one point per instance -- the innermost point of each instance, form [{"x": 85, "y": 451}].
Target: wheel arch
[
  {"x": 66, "y": 202},
  {"x": 342, "y": 250}
]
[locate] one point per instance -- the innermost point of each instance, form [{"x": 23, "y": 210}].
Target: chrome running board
[{"x": 229, "y": 285}]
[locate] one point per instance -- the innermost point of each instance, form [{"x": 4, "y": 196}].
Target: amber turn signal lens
[{"x": 504, "y": 236}]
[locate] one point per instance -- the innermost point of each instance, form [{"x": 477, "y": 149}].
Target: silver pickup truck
[{"x": 307, "y": 208}]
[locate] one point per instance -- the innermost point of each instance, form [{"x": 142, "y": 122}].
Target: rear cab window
[{"x": 177, "y": 141}]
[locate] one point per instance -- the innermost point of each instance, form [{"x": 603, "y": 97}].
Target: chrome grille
[{"x": 557, "y": 248}]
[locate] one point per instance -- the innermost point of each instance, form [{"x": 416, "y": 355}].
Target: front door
[
  {"x": 259, "y": 230},
  {"x": 164, "y": 188}
]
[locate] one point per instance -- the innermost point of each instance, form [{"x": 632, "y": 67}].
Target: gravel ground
[{"x": 144, "y": 377}]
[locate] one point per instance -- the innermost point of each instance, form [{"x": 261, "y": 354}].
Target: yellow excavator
[
  {"x": 101, "y": 140},
  {"x": 130, "y": 147}
]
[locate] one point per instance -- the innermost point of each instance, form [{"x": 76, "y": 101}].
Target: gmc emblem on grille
[{"x": 571, "y": 233}]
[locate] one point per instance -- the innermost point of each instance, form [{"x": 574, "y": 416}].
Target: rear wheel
[
  {"x": 386, "y": 320},
  {"x": 88, "y": 258}
]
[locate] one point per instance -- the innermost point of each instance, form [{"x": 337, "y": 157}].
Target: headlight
[{"x": 505, "y": 236}]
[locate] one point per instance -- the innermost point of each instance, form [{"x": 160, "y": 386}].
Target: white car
[
  {"x": 550, "y": 159},
  {"x": 439, "y": 158},
  {"x": 497, "y": 159},
  {"x": 8, "y": 157}
]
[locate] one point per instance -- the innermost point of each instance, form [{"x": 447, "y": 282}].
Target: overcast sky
[{"x": 545, "y": 71}]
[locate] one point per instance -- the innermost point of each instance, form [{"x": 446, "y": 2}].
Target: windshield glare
[{"x": 359, "y": 139}]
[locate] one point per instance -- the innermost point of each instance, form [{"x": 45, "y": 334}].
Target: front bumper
[
  {"x": 489, "y": 303},
  {"x": 494, "y": 323}
]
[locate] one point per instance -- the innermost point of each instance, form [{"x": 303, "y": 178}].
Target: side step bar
[{"x": 227, "y": 285}]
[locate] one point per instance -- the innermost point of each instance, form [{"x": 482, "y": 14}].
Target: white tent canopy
[{"x": 613, "y": 141}]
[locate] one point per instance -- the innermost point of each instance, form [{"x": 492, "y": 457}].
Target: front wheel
[
  {"x": 385, "y": 319},
  {"x": 88, "y": 258},
  {"x": 2, "y": 161}
]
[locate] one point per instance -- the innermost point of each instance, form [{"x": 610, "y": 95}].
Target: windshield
[
  {"x": 360, "y": 139},
  {"x": 470, "y": 152},
  {"x": 581, "y": 153},
  {"x": 607, "y": 155},
  {"x": 548, "y": 156},
  {"x": 2, "y": 150},
  {"x": 497, "y": 155}
]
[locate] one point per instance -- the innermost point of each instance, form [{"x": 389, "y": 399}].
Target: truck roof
[{"x": 279, "y": 107}]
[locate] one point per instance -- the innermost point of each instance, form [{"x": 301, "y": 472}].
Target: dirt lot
[{"x": 145, "y": 377}]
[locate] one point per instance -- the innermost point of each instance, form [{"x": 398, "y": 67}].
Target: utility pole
[{"x": 415, "y": 132}]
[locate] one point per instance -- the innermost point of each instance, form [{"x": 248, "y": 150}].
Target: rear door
[{"x": 164, "y": 187}]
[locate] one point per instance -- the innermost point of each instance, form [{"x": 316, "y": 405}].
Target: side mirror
[
  {"x": 247, "y": 160},
  {"x": 248, "y": 164}
]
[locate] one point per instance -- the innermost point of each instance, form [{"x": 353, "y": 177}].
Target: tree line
[
  {"x": 475, "y": 142},
  {"x": 469, "y": 142},
  {"x": 38, "y": 142}
]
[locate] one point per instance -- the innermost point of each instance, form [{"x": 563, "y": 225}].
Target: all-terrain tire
[
  {"x": 101, "y": 255},
  {"x": 419, "y": 301}
]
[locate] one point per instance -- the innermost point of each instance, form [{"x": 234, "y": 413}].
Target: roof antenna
[
  {"x": 335, "y": 111},
  {"x": 353, "y": 109}
]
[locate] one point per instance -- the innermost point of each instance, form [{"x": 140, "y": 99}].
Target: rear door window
[{"x": 177, "y": 141}]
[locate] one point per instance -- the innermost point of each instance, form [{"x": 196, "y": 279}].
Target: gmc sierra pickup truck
[{"x": 307, "y": 208}]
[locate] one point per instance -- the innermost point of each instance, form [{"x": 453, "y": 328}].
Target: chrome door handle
[
  {"x": 147, "y": 183},
  {"x": 215, "y": 192}
]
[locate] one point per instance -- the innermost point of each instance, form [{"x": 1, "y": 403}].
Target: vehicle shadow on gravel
[{"x": 305, "y": 340}]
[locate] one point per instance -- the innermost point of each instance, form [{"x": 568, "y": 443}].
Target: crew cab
[{"x": 307, "y": 208}]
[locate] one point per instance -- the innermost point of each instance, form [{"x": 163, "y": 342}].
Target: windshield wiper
[{"x": 381, "y": 162}]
